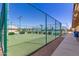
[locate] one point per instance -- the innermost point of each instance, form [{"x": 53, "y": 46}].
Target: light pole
[
  {"x": 20, "y": 18},
  {"x": 11, "y": 26},
  {"x": 41, "y": 27}
]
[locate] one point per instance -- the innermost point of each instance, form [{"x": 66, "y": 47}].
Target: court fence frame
[{"x": 3, "y": 28}]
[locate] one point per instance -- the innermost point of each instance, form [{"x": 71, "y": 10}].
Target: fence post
[
  {"x": 46, "y": 26},
  {"x": 60, "y": 29},
  {"x": 55, "y": 28},
  {"x": 4, "y": 28}
]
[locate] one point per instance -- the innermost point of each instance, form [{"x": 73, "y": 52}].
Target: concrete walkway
[
  {"x": 68, "y": 47},
  {"x": 1, "y": 52}
]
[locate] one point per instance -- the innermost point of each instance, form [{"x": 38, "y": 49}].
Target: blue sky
[
  {"x": 33, "y": 17},
  {"x": 61, "y": 11},
  {"x": 0, "y": 7}
]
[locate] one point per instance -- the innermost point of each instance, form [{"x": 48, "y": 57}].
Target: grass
[{"x": 24, "y": 44}]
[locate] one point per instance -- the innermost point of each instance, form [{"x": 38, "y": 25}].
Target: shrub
[
  {"x": 22, "y": 32},
  {"x": 40, "y": 32},
  {"x": 29, "y": 32},
  {"x": 11, "y": 33},
  {"x": 49, "y": 33},
  {"x": 36, "y": 32},
  {"x": 44, "y": 32}
]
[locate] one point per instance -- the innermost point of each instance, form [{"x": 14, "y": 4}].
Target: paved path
[
  {"x": 68, "y": 47},
  {"x": 0, "y": 52}
]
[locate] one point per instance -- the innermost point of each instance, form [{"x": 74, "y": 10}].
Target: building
[
  {"x": 75, "y": 20},
  {"x": 12, "y": 28}
]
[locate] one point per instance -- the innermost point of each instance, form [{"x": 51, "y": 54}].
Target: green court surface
[{"x": 24, "y": 44}]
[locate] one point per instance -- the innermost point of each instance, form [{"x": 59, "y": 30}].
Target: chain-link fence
[{"x": 29, "y": 28}]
